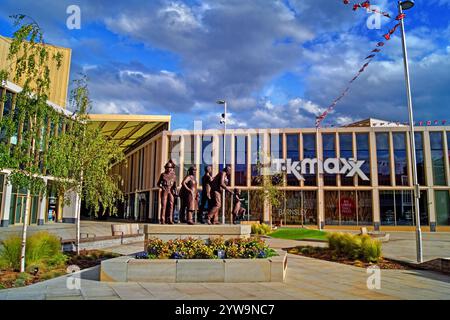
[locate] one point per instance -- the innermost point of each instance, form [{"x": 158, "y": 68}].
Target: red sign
[{"x": 347, "y": 207}]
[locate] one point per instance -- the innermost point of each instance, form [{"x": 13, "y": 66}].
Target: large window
[
  {"x": 397, "y": 208},
  {"x": 227, "y": 153},
  {"x": 257, "y": 158},
  {"x": 348, "y": 207},
  {"x": 292, "y": 143},
  {"x": 441, "y": 198},
  {"x": 420, "y": 158},
  {"x": 298, "y": 207},
  {"x": 276, "y": 146},
  {"x": 207, "y": 153},
  {"x": 363, "y": 153},
  {"x": 329, "y": 151},
  {"x": 240, "y": 161},
  {"x": 346, "y": 152},
  {"x": 309, "y": 152},
  {"x": 189, "y": 153},
  {"x": 400, "y": 160},
  {"x": 5, "y": 112},
  {"x": 174, "y": 152},
  {"x": 383, "y": 162},
  {"x": 437, "y": 158}
]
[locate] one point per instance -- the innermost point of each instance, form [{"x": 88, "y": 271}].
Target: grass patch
[{"x": 298, "y": 234}]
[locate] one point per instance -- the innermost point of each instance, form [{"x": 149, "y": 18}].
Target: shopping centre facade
[
  {"x": 378, "y": 193},
  {"x": 341, "y": 177}
]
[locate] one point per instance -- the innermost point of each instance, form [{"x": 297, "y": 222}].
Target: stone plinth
[{"x": 126, "y": 269}]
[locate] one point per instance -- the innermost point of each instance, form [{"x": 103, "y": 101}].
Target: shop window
[
  {"x": 257, "y": 158},
  {"x": 227, "y": 153},
  {"x": 397, "y": 208},
  {"x": 418, "y": 137},
  {"x": 297, "y": 208},
  {"x": 383, "y": 160},
  {"x": 400, "y": 160},
  {"x": 240, "y": 160},
  {"x": 348, "y": 207},
  {"x": 346, "y": 152},
  {"x": 442, "y": 203},
  {"x": 437, "y": 158},
  {"x": 329, "y": 151},
  {"x": 363, "y": 153},
  {"x": 309, "y": 152},
  {"x": 292, "y": 144}
]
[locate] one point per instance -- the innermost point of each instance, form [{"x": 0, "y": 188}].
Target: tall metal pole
[
  {"x": 412, "y": 142},
  {"x": 224, "y": 157}
]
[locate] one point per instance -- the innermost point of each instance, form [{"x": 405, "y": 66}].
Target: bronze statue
[
  {"x": 167, "y": 183},
  {"x": 218, "y": 184},
  {"x": 189, "y": 197},
  {"x": 206, "y": 193},
  {"x": 238, "y": 211}
]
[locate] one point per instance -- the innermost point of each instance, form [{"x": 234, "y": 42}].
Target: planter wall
[{"x": 126, "y": 269}]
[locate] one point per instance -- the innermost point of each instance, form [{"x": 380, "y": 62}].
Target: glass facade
[
  {"x": 292, "y": 153},
  {"x": 348, "y": 207},
  {"x": 188, "y": 153},
  {"x": 297, "y": 208},
  {"x": 346, "y": 152},
  {"x": 442, "y": 205},
  {"x": 309, "y": 152},
  {"x": 400, "y": 160},
  {"x": 257, "y": 158},
  {"x": 240, "y": 160},
  {"x": 174, "y": 153},
  {"x": 227, "y": 154},
  {"x": 207, "y": 153},
  {"x": 420, "y": 158},
  {"x": 437, "y": 158},
  {"x": 363, "y": 153},
  {"x": 329, "y": 151},
  {"x": 383, "y": 159},
  {"x": 397, "y": 208}
]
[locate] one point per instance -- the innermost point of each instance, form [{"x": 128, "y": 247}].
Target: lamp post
[
  {"x": 223, "y": 121},
  {"x": 405, "y": 5}
]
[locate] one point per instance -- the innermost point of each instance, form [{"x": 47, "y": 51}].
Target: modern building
[
  {"x": 13, "y": 200},
  {"x": 342, "y": 177},
  {"x": 379, "y": 194}
]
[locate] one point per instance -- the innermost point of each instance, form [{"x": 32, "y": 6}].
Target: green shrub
[
  {"x": 41, "y": 248},
  {"x": 355, "y": 246},
  {"x": 261, "y": 228},
  {"x": 371, "y": 249},
  {"x": 10, "y": 253}
]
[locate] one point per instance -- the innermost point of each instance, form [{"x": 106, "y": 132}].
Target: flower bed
[
  {"x": 44, "y": 260},
  {"x": 216, "y": 248}
]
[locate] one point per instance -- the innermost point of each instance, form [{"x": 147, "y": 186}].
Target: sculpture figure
[
  {"x": 218, "y": 184},
  {"x": 189, "y": 197},
  {"x": 238, "y": 211},
  {"x": 167, "y": 183},
  {"x": 206, "y": 193}
]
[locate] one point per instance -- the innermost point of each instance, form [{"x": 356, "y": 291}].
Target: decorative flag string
[{"x": 366, "y": 5}]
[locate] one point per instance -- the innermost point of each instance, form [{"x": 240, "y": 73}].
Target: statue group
[{"x": 212, "y": 189}]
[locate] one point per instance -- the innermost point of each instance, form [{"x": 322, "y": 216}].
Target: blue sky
[{"x": 277, "y": 63}]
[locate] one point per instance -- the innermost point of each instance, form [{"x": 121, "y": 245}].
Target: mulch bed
[
  {"x": 329, "y": 255},
  {"x": 86, "y": 259}
]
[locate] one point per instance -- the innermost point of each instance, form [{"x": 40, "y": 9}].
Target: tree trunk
[{"x": 24, "y": 232}]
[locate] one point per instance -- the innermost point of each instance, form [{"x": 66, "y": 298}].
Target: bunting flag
[{"x": 366, "y": 5}]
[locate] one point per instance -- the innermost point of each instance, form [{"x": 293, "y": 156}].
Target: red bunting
[{"x": 387, "y": 36}]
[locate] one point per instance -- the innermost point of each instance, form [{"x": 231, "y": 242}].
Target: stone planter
[{"x": 126, "y": 269}]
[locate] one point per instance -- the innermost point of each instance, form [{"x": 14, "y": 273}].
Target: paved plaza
[{"x": 306, "y": 279}]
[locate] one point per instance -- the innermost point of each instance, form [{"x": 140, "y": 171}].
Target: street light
[
  {"x": 223, "y": 121},
  {"x": 405, "y": 5}
]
